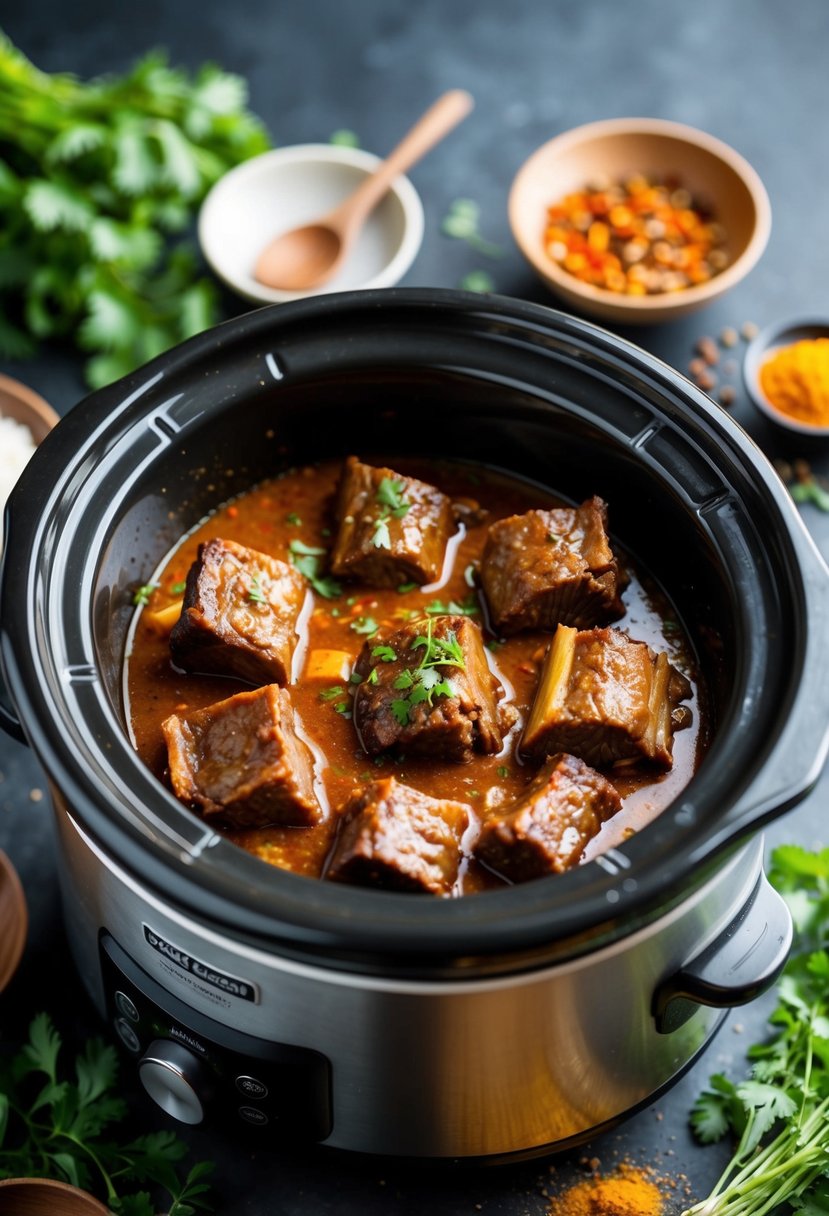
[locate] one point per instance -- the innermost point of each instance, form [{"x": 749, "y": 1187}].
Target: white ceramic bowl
[
  {"x": 762, "y": 347},
  {"x": 288, "y": 187}
]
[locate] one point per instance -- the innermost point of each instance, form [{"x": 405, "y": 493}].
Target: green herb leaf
[
  {"x": 400, "y": 709},
  {"x": 57, "y": 1130},
  {"x": 810, "y": 491},
  {"x": 178, "y": 588},
  {"x": 293, "y": 518},
  {"x": 469, "y": 607},
  {"x": 479, "y": 281},
  {"x": 256, "y": 594},
  {"x": 386, "y": 654},
  {"x": 381, "y": 538},
  {"x": 143, "y": 593},
  {"x": 328, "y": 694},
  {"x": 404, "y": 587},
  {"x": 92, "y": 176},
  {"x": 344, "y": 139},
  {"x": 365, "y": 625},
  {"x": 297, "y": 546},
  {"x": 461, "y": 222},
  {"x": 306, "y": 559},
  {"x": 780, "y": 1115}
]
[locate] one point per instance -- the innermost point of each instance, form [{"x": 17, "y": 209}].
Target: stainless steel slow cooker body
[{"x": 473, "y": 1027}]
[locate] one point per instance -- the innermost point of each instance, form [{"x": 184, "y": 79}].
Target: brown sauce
[{"x": 296, "y": 507}]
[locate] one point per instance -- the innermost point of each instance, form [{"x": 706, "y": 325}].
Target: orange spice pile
[
  {"x": 628, "y": 1191},
  {"x": 795, "y": 380},
  {"x": 635, "y": 237}
]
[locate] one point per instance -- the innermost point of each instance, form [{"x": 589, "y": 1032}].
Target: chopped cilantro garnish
[
  {"x": 143, "y": 593},
  {"x": 293, "y": 518},
  {"x": 393, "y": 505},
  {"x": 328, "y": 694},
  {"x": 372, "y": 677},
  {"x": 386, "y": 653},
  {"x": 298, "y": 546},
  {"x": 404, "y": 587},
  {"x": 306, "y": 560},
  {"x": 178, "y": 588},
  {"x": 355, "y": 678},
  {"x": 365, "y": 625},
  {"x": 423, "y": 683},
  {"x": 469, "y": 607},
  {"x": 381, "y": 538},
  {"x": 343, "y": 709},
  {"x": 502, "y": 770},
  {"x": 255, "y": 593}
]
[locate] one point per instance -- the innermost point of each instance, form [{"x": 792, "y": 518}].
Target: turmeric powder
[
  {"x": 626, "y": 1192},
  {"x": 795, "y": 381}
]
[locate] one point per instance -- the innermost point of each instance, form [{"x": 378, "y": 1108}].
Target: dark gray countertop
[{"x": 751, "y": 72}]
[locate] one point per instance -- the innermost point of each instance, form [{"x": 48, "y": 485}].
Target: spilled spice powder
[{"x": 628, "y": 1191}]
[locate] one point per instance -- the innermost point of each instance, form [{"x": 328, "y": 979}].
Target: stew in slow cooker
[{"x": 419, "y": 676}]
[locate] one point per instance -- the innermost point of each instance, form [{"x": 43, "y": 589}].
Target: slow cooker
[{"x": 507, "y": 1023}]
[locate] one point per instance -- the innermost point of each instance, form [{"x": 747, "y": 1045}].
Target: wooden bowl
[
  {"x": 25, "y": 405},
  {"x": 14, "y": 919},
  {"x": 615, "y": 149},
  {"x": 43, "y": 1197}
]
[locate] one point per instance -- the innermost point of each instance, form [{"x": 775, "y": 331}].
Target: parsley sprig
[
  {"x": 96, "y": 180},
  {"x": 781, "y": 1114},
  {"x": 393, "y": 505},
  {"x": 424, "y": 682},
  {"x": 55, "y": 1127}
]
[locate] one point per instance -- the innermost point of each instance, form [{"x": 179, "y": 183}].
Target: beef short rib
[
  {"x": 391, "y": 529},
  {"x": 241, "y": 763},
  {"x": 548, "y": 828},
  {"x": 239, "y": 614},
  {"x": 394, "y": 837},
  {"x": 426, "y": 689},
  {"x": 606, "y": 698},
  {"x": 547, "y": 568}
]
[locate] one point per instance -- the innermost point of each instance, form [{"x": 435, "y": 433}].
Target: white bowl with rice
[{"x": 25, "y": 420}]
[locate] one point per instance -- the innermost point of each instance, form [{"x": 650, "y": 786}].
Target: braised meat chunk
[
  {"x": 391, "y": 529},
  {"x": 241, "y": 762},
  {"x": 239, "y": 614},
  {"x": 546, "y": 831},
  {"x": 394, "y": 837},
  {"x": 427, "y": 690},
  {"x": 605, "y": 698},
  {"x": 547, "y": 568}
]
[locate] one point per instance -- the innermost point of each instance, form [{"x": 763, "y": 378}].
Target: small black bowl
[{"x": 781, "y": 333}]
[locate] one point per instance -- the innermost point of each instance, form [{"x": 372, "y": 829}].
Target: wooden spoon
[{"x": 305, "y": 257}]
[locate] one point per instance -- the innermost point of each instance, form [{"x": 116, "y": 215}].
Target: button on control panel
[
  {"x": 200, "y": 1070},
  {"x": 126, "y": 1007},
  {"x": 252, "y": 1087}
]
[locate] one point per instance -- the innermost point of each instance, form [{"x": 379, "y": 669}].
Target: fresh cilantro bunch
[
  {"x": 96, "y": 180},
  {"x": 781, "y": 1115},
  {"x": 53, "y": 1127}
]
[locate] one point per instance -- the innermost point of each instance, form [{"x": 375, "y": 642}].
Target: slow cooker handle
[
  {"x": 739, "y": 965},
  {"x": 797, "y": 759}
]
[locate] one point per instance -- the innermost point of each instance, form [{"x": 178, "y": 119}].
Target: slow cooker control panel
[{"x": 199, "y": 1070}]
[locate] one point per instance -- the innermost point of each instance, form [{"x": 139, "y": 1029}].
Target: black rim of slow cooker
[{"x": 235, "y": 893}]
